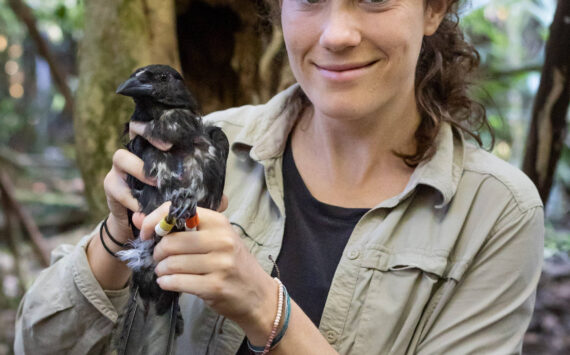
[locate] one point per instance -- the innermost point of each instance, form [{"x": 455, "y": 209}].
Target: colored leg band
[
  {"x": 192, "y": 222},
  {"x": 163, "y": 228}
]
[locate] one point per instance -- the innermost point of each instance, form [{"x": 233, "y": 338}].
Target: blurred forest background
[{"x": 60, "y": 121}]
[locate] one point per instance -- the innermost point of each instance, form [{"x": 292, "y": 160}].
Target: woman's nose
[{"x": 340, "y": 30}]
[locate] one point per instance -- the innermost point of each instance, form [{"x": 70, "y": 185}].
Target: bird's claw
[{"x": 183, "y": 206}]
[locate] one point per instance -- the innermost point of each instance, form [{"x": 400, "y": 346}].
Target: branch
[
  {"x": 25, "y": 14},
  {"x": 548, "y": 126},
  {"x": 12, "y": 240},
  {"x": 499, "y": 74},
  {"x": 265, "y": 68},
  {"x": 38, "y": 241}
]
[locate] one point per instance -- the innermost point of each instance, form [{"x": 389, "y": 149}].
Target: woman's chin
[{"x": 343, "y": 109}]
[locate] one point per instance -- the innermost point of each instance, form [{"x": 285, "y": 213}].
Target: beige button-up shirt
[{"x": 448, "y": 266}]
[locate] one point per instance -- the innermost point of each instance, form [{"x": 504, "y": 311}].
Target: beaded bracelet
[
  {"x": 277, "y": 318},
  {"x": 274, "y": 340},
  {"x": 286, "y": 322}
]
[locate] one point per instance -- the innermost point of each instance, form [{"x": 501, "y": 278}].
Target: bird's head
[{"x": 158, "y": 85}]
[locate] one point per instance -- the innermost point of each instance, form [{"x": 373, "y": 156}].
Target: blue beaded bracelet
[{"x": 260, "y": 349}]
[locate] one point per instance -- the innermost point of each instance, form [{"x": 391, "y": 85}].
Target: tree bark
[
  {"x": 230, "y": 53},
  {"x": 119, "y": 36},
  {"x": 548, "y": 126}
]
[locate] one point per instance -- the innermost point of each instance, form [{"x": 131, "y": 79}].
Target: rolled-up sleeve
[
  {"x": 66, "y": 311},
  {"x": 491, "y": 306}
]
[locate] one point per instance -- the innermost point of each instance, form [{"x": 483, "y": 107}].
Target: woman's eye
[{"x": 375, "y": 4}]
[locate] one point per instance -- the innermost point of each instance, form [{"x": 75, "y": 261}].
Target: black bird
[{"x": 190, "y": 174}]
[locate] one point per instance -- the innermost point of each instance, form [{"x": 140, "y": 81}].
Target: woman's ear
[{"x": 433, "y": 15}]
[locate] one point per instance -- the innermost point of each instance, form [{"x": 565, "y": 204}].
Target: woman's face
[{"x": 356, "y": 58}]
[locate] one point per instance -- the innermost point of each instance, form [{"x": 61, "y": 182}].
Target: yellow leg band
[{"x": 163, "y": 227}]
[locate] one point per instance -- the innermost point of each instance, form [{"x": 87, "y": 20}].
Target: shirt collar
[
  {"x": 265, "y": 137},
  {"x": 443, "y": 171}
]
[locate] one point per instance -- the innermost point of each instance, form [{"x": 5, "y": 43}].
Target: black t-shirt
[{"x": 314, "y": 239}]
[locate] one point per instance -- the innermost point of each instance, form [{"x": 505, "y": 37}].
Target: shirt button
[
  {"x": 353, "y": 254},
  {"x": 331, "y": 336}
]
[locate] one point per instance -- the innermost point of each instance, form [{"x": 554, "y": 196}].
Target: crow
[{"x": 190, "y": 174}]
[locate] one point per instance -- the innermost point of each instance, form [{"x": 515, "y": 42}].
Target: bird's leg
[{"x": 183, "y": 207}]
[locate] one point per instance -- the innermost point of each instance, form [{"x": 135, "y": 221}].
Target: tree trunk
[
  {"x": 230, "y": 53},
  {"x": 119, "y": 36},
  {"x": 548, "y": 126}
]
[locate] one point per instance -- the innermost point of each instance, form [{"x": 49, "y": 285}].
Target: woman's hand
[
  {"x": 110, "y": 272},
  {"x": 214, "y": 264},
  {"x": 118, "y": 193},
  {"x": 139, "y": 128}
]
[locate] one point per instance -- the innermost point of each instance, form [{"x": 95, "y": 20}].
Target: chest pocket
[
  {"x": 250, "y": 241},
  {"x": 393, "y": 291}
]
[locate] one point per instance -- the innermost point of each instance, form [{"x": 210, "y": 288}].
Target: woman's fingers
[
  {"x": 117, "y": 190},
  {"x": 189, "y": 264},
  {"x": 128, "y": 163},
  {"x": 210, "y": 219},
  {"x": 150, "y": 221},
  {"x": 183, "y": 283},
  {"x": 138, "y": 218},
  {"x": 138, "y": 129},
  {"x": 223, "y": 204},
  {"x": 179, "y": 243},
  {"x": 208, "y": 287}
]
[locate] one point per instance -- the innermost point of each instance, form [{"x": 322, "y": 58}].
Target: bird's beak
[{"x": 133, "y": 87}]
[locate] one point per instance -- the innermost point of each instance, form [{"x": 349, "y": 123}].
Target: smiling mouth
[
  {"x": 345, "y": 67},
  {"x": 344, "y": 73}
]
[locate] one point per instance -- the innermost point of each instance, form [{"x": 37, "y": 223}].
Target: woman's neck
[{"x": 352, "y": 161}]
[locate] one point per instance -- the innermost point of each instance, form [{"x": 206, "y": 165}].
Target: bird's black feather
[{"x": 190, "y": 174}]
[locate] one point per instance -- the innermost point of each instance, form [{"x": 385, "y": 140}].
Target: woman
[{"x": 400, "y": 236}]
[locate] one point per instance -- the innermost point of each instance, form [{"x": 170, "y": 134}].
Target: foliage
[
  {"x": 510, "y": 36},
  {"x": 36, "y": 135},
  {"x": 556, "y": 241},
  {"x": 31, "y": 108},
  {"x": 60, "y": 17}
]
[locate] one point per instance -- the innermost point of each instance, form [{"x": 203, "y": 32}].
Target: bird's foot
[{"x": 183, "y": 206}]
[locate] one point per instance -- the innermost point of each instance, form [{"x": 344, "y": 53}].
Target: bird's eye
[{"x": 163, "y": 77}]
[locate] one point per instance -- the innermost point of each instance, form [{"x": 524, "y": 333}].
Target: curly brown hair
[{"x": 445, "y": 66}]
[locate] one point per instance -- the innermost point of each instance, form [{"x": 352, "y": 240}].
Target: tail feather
[{"x": 143, "y": 330}]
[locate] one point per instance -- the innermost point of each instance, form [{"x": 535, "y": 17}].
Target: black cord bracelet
[
  {"x": 103, "y": 240},
  {"x": 122, "y": 245}
]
